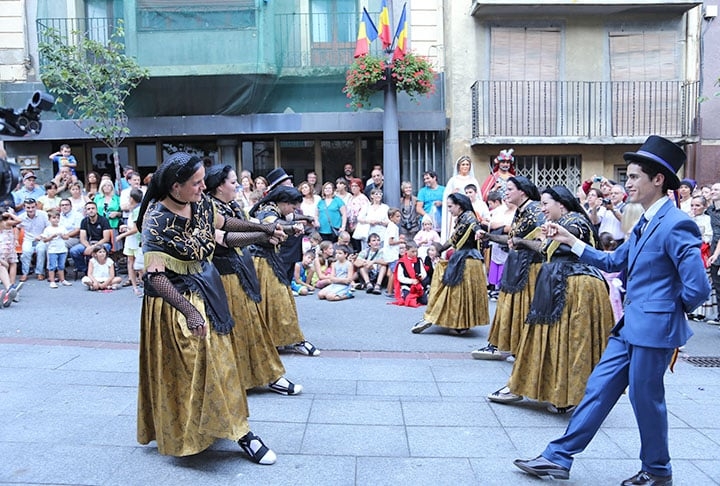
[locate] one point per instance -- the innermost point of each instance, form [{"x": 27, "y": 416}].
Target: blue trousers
[{"x": 622, "y": 364}]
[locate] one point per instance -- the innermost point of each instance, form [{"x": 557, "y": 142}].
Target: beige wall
[{"x": 12, "y": 41}]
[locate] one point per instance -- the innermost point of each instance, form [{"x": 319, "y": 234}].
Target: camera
[
  {"x": 606, "y": 201},
  {"x": 27, "y": 121},
  {"x": 9, "y": 178}
]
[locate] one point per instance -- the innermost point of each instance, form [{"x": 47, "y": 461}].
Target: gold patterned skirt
[
  {"x": 553, "y": 362},
  {"x": 190, "y": 389},
  {"x": 258, "y": 359},
  {"x": 277, "y": 307},
  {"x": 463, "y": 306},
  {"x": 510, "y": 314}
]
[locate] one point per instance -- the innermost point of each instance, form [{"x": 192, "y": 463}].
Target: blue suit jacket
[{"x": 665, "y": 279}]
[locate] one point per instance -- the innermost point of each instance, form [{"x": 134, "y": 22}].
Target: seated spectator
[
  {"x": 101, "y": 271},
  {"x": 341, "y": 277},
  {"x": 303, "y": 274},
  {"x": 425, "y": 238},
  {"x": 29, "y": 190},
  {"x": 410, "y": 275},
  {"x": 129, "y": 232},
  {"x": 322, "y": 264},
  {"x": 94, "y": 231},
  {"x": 33, "y": 223},
  {"x": 312, "y": 242},
  {"x": 371, "y": 265},
  {"x": 70, "y": 220},
  {"x": 77, "y": 198},
  {"x": 50, "y": 199}
]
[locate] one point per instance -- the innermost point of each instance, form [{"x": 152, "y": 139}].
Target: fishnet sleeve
[
  {"x": 158, "y": 284},
  {"x": 240, "y": 225},
  {"x": 240, "y": 239}
]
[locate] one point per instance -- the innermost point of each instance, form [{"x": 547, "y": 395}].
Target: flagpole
[{"x": 391, "y": 142}]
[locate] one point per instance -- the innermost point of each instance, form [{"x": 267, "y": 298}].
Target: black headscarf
[
  {"x": 287, "y": 194},
  {"x": 565, "y": 197},
  {"x": 461, "y": 200},
  {"x": 215, "y": 176},
  {"x": 179, "y": 167},
  {"x": 524, "y": 184}
]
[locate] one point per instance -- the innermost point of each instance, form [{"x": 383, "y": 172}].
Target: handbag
[{"x": 362, "y": 230}]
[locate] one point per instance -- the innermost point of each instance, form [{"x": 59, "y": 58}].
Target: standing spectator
[
  {"x": 64, "y": 158},
  {"x": 665, "y": 278},
  {"x": 261, "y": 185},
  {"x": 461, "y": 178},
  {"x": 698, "y": 206},
  {"x": 458, "y": 298},
  {"x": 410, "y": 219},
  {"x": 341, "y": 190},
  {"x": 348, "y": 173},
  {"x": 57, "y": 252},
  {"x": 332, "y": 214},
  {"x": 499, "y": 223},
  {"x": 77, "y": 199},
  {"x": 126, "y": 203},
  {"x": 430, "y": 199},
  {"x": 242, "y": 195},
  {"x": 611, "y": 217},
  {"x": 375, "y": 214},
  {"x": 503, "y": 169},
  {"x": 94, "y": 231},
  {"x": 92, "y": 185},
  {"x": 355, "y": 207},
  {"x": 378, "y": 182},
  {"x": 8, "y": 256},
  {"x": 130, "y": 234},
  {"x": 108, "y": 204},
  {"x": 594, "y": 206},
  {"x": 50, "y": 199},
  {"x": 312, "y": 179},
  {"x": 685, "y": 193},
  {"x": 33, "y": 223},
  {"x": 391, "y": 246},
  {"x": 482, "y": 210},
  {"x": 29, "y": 190}
]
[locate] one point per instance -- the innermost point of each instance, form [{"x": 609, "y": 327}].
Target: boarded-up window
[
  {"x": 524, "y": 70},
  {"x": 644, "y": 70}
]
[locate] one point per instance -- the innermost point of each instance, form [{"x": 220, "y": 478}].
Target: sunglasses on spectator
[{"x": 30, "y": 200}]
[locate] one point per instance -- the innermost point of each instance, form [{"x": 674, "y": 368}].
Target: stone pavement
[{"x": 381, "y": 406}]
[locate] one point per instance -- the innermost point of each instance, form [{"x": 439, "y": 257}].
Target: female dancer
[
  {"x": 458, "y": 292},
  {"x": 191, "y": 390},
  {"x": 260, "y": 363}
]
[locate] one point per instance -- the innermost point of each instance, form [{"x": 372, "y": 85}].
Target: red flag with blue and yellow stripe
[
  {"x": 384, "y": 24},
  {"x": 401, "y": 36},
  {"x": 367, "y": 32}
]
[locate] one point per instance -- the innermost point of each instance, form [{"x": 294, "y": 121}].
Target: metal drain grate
[{"x": 703, "y": 361}]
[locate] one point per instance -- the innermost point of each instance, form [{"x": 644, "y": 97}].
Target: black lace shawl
[{"x": 516, "y": 271}]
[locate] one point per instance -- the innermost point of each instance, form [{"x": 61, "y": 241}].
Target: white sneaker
[
  {"x": 488, "y": 352},
  {"x": 65, "y": 283},
  {"x": 53, "y": 285},
  {"x": 420, "y": 326}
]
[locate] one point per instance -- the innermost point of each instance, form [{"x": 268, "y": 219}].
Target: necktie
[{"x": 638, "y": 229}]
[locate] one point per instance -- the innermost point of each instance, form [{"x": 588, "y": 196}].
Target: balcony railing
[
  {"x": 98, "y": 29},
  {"x": 591, "y": 110},
  {"x": 317, "y": 40}
]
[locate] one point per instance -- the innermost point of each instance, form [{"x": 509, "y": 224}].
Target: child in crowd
[
  {"x": 50, "y": 199},
  {"x": 499, "y": 223},
  {"x": 64, "y": 158},
  {"x": 101, "y": 271},
  {"x": 129, "y": 232},
  {"x": 56, "y": 249},
  {"x": 391, "y": 242},
  {"x": 312, "y": 242},
  {"x": 8, "y": 257},
  {"x": 341, "y": 277},
  {"x": 303, "y": 274},
  {"x": 322, "y": 265},
  {"x": 431, "y": 260},
  {"x": 426, "y": 237},
  {"x": 371, "y": 265},
  {"x": 410, "y": 275}
]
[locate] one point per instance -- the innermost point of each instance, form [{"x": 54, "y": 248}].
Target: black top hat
[
  {"x": 666, "y": 155},
  {"x": 276, "y": 176}
]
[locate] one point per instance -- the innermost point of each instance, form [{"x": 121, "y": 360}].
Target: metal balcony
[{"x": 583, "y": 111}]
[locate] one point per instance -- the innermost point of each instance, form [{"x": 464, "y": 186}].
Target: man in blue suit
[{"x": 665, "y": 279}]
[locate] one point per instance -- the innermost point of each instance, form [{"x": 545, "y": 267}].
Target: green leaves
[{"x": 91, "y": 79}]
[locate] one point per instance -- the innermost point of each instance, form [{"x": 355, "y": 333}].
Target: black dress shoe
[
  {"x": 646, "y": 479},
  {"x": 541, "y": 467}
]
